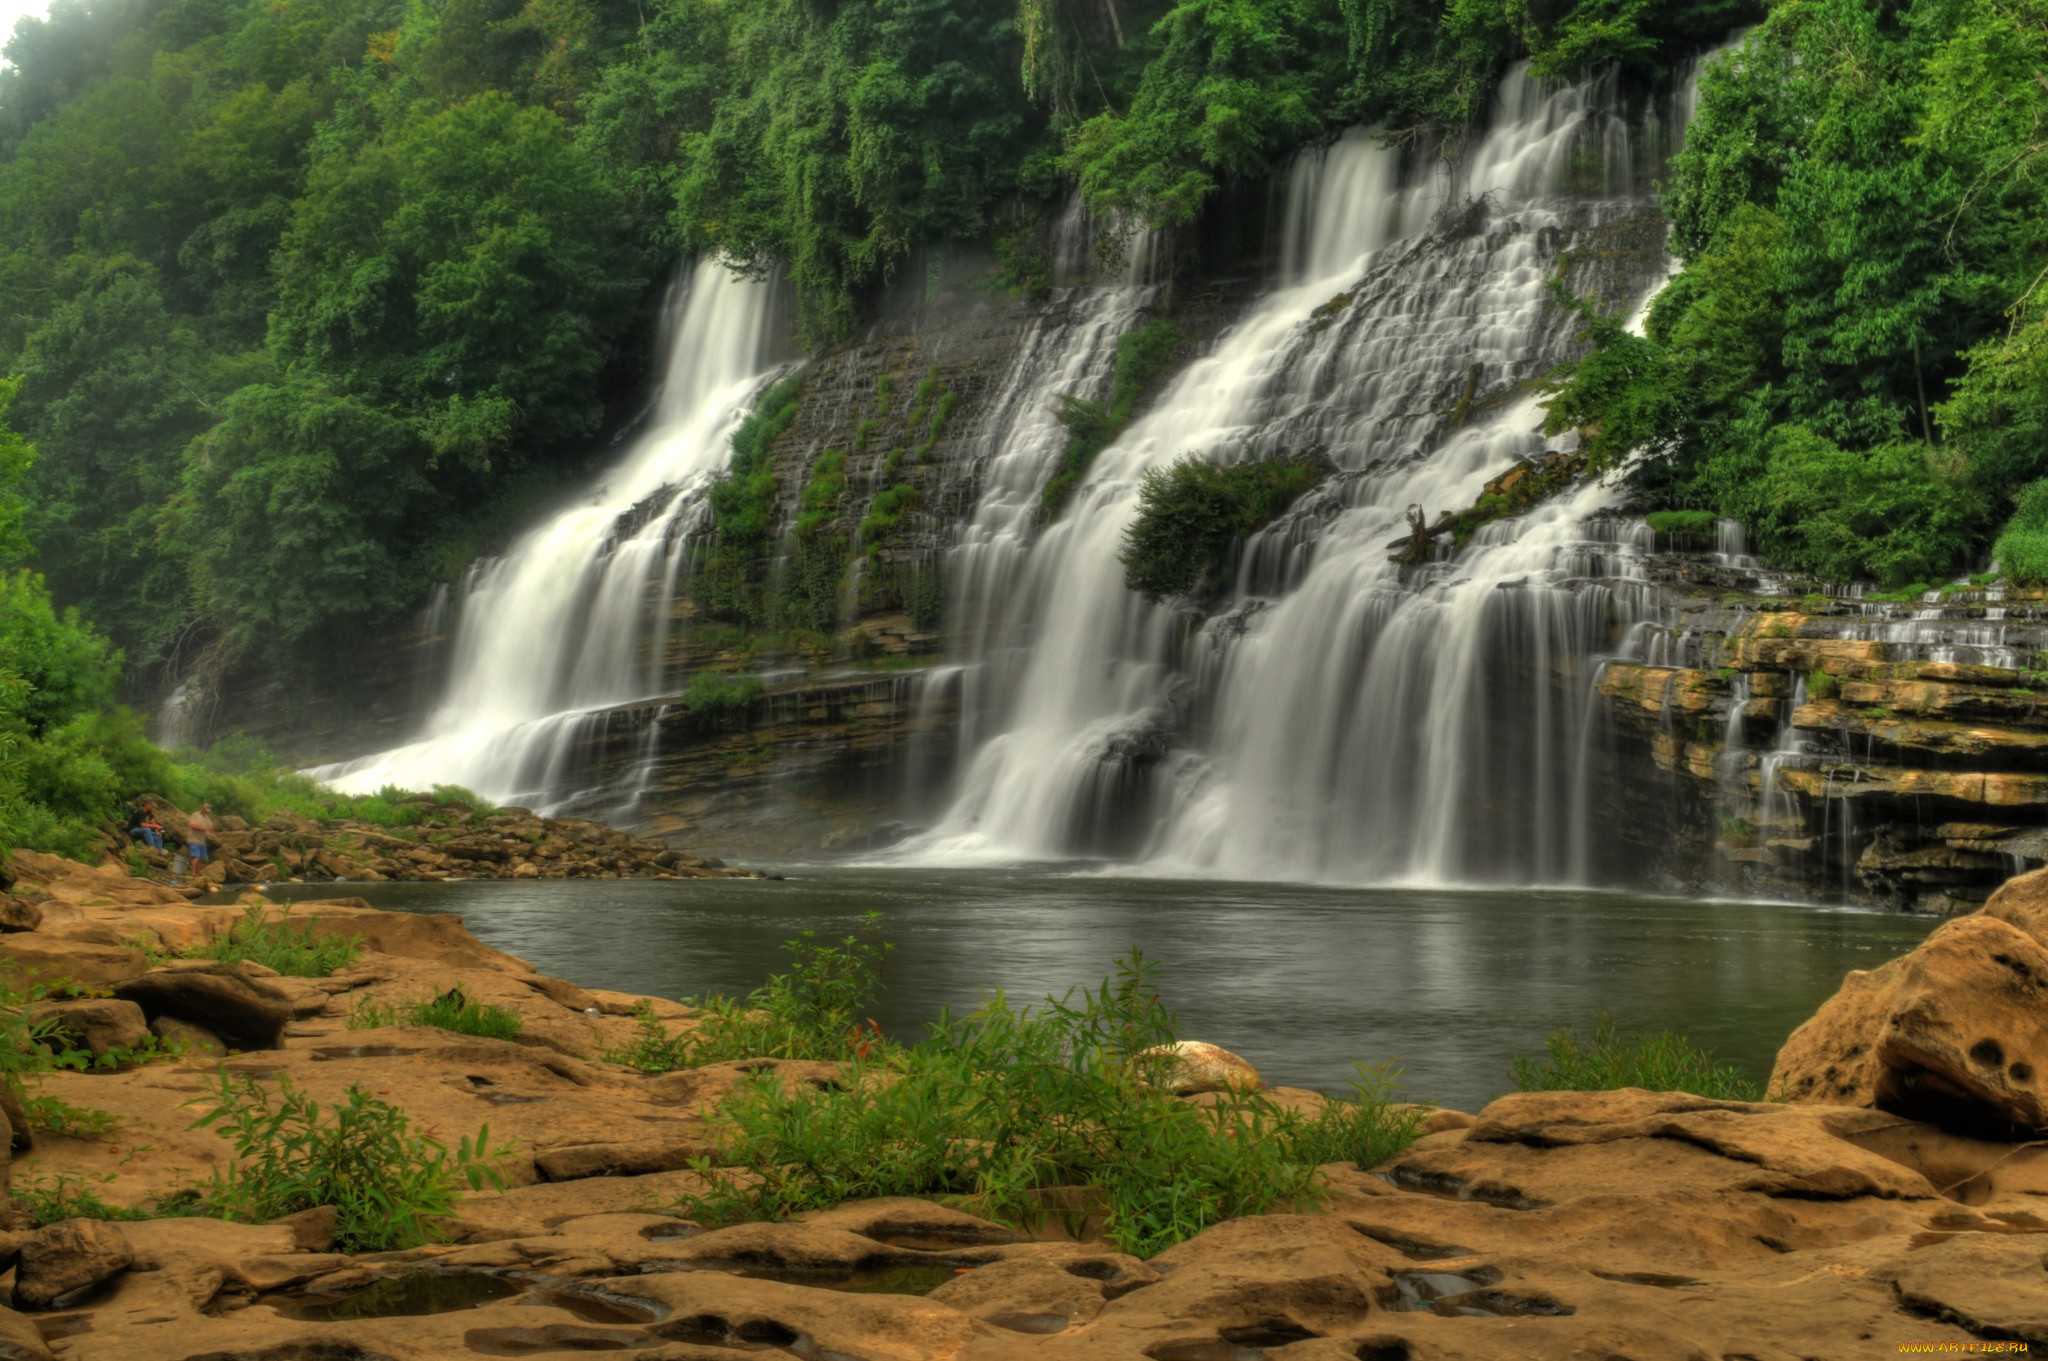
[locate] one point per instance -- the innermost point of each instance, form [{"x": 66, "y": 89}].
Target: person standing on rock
[{"x": 198, "y": 828}]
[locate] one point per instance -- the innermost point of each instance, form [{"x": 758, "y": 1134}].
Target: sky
[{"x": 10, "y": 10}]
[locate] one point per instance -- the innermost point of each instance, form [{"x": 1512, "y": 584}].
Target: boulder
[
  {"x": 100, "y": 1025},
  {"x": 196, "y": 1039},
  {"x": 1966, "y": 1034},
  {"x": 1198, "y": 1067},
  {"x": 66, "y": 1257},
  {"x": 244, "y": 1012},
  {"x": 19, "y": 914}
]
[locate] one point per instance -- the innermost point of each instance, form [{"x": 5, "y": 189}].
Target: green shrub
[
  {"x": 1192, "y": 514},
  {"x": 886, "y": 514},
  {"x": 1822, "y": 684},
  {"x": 386, "y": 1182},
  {"x": 455, "y": 796},
  {"x": 450, "y": 1010},
  {"x": 279, "y": 945},
  {"x": 2022, "y": 546},
  {"x": 820, "y": 498},
  {"x": 1008, "y": 1102},
  {"x": 1141, "y": 355},
  {"x": 1683, "y": 524},
  {"x": 1843, "y": 515},
  {"x": 1661, "y": 1062},
  {"x": 716, "y": 692}
]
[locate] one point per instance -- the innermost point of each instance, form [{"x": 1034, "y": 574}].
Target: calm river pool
[{"x": 1300, "y": 980}]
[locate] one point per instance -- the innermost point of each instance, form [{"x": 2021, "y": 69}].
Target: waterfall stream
[
  {"x": 559, "y": 625},
  {"x": 1348, "y": 718}
]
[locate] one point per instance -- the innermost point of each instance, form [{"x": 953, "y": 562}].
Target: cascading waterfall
[
  {"x": 1352, "y": 719},
  {"x": 562, "y": 624}
]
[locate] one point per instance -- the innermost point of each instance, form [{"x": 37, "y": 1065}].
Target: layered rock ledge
[{"x": 1550, "y": 1225}]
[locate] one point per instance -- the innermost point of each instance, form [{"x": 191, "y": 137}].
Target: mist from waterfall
[
  {"x": 1347, "y": 719},
  {"x": 561, "y": 624}
]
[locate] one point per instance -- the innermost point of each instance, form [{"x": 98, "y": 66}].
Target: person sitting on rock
[
  {"x": 197, "y": 828},
  {"x": 152, "y": 830}
]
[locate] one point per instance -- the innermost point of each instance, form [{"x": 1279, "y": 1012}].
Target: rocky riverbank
[
  {"x": 426, "y": 840},
  {"x": 1550, "y": 1225}
]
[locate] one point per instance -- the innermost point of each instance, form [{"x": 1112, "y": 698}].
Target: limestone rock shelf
[{"x": 1844, "y": 749}]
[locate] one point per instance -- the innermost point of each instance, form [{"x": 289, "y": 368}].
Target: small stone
[
  {"x": 66, "y": 1257},
  {"x": 197, "y": 1039},
  {"x": 1200, "y": 1067}
]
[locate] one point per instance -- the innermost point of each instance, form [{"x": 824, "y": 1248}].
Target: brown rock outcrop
[
  {"x": 1955, "y": 1032},
  {"x": 66, "y": 1257},
  {"x": 242, "y": 1010}
]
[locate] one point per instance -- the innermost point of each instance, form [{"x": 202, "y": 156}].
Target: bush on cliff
[{"x": 1192, "y": 515}]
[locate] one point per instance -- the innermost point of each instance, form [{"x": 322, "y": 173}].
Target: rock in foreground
[{"x": 1955, "y": 1033}]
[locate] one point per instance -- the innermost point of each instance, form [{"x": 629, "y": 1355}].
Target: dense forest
[{"x": 308, "y": 299}]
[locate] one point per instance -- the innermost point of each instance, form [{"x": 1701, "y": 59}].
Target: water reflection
[{"x": 1300, "y": 980}]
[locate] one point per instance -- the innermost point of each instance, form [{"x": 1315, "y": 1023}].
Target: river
[{"x": 1301, "y": 980}]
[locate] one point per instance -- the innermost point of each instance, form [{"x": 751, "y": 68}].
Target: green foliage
[
  {"x": 1142, "y": 354},
  {"x": 280, "y": 945},
  {"x": 455, "y": 796},
  {"x": 1191, "y": 516},
  {"x": 1887, "y": 513},
  {"x": 387, "y": 1182},
  {"x": 1822, "y": 684},
  {"x": 1007, "y": 1102},
  {"x": 450, "y": 1010},
  {"x": 1851, "y": 359},
  {"x": 886, "y": 512},
  {"x": 819, "y": 502},
  {"x": 721, "y": 692},
  {"x": 69, "y": 1195},
  {"x": 829, "y": 141},
  {"x": 1608, "y": 1061},
  {"x": 1683, "y": 524},
  {"x": 2022, "y": 547},
  {"x": 812, "y": 1012}
]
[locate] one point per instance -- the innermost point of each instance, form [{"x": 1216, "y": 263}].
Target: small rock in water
[{"x": 1200, "y": 1067}]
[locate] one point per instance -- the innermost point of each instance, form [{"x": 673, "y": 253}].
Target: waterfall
[
  {"x": 1348, "y": 718},
  {"x": 562, "y": 625}
]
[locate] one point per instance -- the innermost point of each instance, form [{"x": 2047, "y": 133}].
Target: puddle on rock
[
  {"x": 901, "y": 1280},
  {"x": 1029, "y": 1323},
  {"x": 557, "y": 1337},
  {"x": 362, "y": 1051},
  {"x": 668, "y": 1233},
  {"x": 508, "y": 1098},
  {"x": 61, "y": 1326},
  {"x": 1246, "y": 1343},
  {"x": 411, "y": 1292},
  {"x": 1414, "y": 1249},
  {"x": 1465, "y": 1294},
  {"x": 595, "y": 1305}
]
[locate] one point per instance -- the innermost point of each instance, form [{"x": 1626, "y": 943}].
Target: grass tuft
[
  {"x": 1608, "y": 1061},
  {"x": 280, "y": 945}
]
